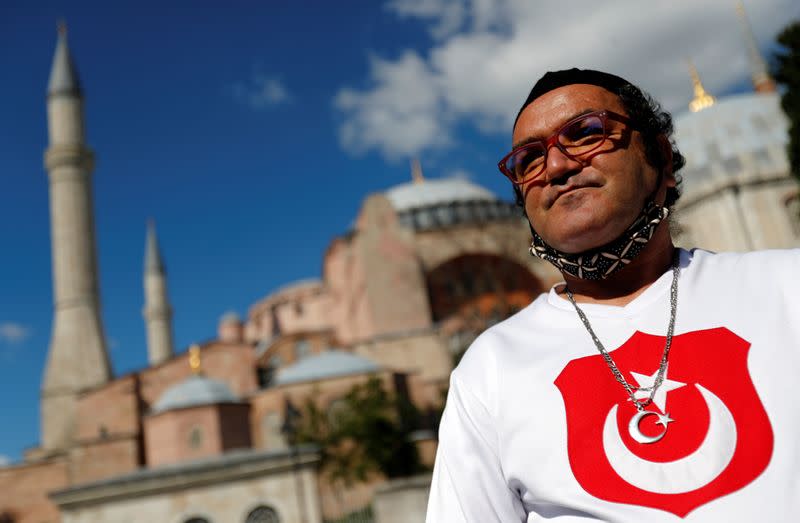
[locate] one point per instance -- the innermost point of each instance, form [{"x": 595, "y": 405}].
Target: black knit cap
[{"x": 555, "y": 79}]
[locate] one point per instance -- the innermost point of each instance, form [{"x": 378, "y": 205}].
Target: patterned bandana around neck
[{"x": 601, "y": 262}]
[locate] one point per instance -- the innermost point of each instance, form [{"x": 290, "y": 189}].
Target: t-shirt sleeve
[{"x": 468, "y": 485}]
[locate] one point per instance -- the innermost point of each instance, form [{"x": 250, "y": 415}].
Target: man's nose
[{"x": 559, "y": 164}]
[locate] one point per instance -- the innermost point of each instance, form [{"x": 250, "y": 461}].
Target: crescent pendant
[
  {"x": 636, "y": 433},
  {"x": 689, "y": 473}
]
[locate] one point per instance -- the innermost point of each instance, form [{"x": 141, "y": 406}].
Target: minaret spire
[
  {"x": 702, "y": 99},
  {"x": 77, "y": 358},
  {"x": 416, "y": 171},
  {"x": 63, "y": 74},
  {"x": 762, "y": 80},
  {"x": 157, "y": 311},
  {"x": 152, "y": 254}
]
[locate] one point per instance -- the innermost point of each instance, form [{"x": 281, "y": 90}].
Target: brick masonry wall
[{"x": 24, "y": 488}]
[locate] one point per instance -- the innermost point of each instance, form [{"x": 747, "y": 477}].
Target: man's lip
[{"x": 569, "y": 189}]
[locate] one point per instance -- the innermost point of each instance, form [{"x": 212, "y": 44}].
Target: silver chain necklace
[{"x": 662, "y": 367}]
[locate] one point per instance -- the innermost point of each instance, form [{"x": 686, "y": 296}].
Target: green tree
[
  {"x": 363, "y": 433},
  {"x": 787, "y": 73}
]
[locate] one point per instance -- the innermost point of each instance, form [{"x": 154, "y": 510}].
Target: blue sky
[{"x": 252, "y": 132}]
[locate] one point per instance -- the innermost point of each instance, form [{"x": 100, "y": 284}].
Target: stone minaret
[
  {"x": 762, "y": 80},
  {"x": 77, "y": 358},
  {"x": 157, "y": 311}
]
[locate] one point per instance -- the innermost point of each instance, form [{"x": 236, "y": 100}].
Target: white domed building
[{"x": 738, "y": 192}]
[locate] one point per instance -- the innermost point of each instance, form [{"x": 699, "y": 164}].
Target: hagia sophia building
[{"x": 196, "y": 436}]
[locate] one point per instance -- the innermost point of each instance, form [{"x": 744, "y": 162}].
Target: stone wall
[
  {"x": 221, "y": 490},
  {"x": 23, "y": 490},
  {"x": 196, "y": 432},
  {"x": 402, "y": 500},
  {"x": 104, "y": 458},
  {"x": 109, "y": 410},
  {"x": 743, "y": 213}
]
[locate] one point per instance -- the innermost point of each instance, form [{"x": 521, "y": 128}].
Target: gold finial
[
  {"x": 194, "y": 359},
  {"x": 416, "y": 171},
  {"x": 61, "y": 25},
  {"x": 702, "y": 99}
]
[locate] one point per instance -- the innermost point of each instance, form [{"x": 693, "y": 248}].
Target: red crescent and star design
[{"x": 708, "y": 434}]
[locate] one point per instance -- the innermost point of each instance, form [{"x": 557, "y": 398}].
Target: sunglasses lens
[
  {"x": 582, "y": 136},
  {"x": 526, "y": 162}
]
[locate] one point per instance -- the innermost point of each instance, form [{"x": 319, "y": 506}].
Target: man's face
[{"x": 577, "y": 205}]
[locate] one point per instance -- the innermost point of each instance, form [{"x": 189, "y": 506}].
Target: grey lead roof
[
  {"x": 329, "y": 364},
  {"x": 63, "y": 74},
  {"x": 195, "y": 391},
  {"x": 436, "y": 191}
]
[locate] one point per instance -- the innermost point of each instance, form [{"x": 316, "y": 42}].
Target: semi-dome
[
  {"x": 328, "y": 364},
  {"x": 435, "y": 203},
  {"x": 195, "y": 391},
  {"x": 738, "y": 139}
]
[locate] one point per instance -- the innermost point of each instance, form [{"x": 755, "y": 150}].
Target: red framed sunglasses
[{"x": 576, "y": 139}]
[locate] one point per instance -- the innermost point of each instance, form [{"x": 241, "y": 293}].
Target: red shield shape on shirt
[{"x": 708, "y": 434}]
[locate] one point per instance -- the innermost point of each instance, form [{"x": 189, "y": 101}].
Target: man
[{"x": 654, "y": 384}]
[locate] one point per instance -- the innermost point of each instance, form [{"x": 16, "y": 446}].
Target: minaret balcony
[{"x": 68, "y": 155}]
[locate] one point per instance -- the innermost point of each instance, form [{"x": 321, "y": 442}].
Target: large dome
[
  {"x": 740, "y": 138},
  {"x": 436, "y": 203},
  {"x": 434, "y": 192},
  {"x": 193, "y": 392}
]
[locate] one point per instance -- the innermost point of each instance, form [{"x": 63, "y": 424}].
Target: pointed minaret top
[
  {"x": 63, "y": 74},
  {"x": 702, "y": 99},
  {"x": 416, "y": 171},
  {"x": 152, "y": 254},
  {"x": 762, "y": 81}
]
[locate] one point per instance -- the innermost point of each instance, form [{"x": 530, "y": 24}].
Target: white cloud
[
  {"x": 403, "y": 108},
  {"x": 445, "y": 17},
  {"x": 13, "y": 333},
  {"x": 486, "y": 54},
  {"x": 261, "y": 91},
  {"x": 4, "y": 461}
]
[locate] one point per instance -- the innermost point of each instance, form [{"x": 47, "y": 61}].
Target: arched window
[
  {"x": 195, "y": 437},
  {"x": 262, "y": 514}
]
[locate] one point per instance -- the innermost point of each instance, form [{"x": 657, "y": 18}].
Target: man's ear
[{"x": 665, "y": 153}]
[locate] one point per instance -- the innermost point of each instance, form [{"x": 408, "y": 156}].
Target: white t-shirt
[{"x": 537, "y": 428}]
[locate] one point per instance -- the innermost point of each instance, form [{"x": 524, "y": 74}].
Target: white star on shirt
[
  {"x": 664, "y": 419},
  {"x": 660, "y": 399}
]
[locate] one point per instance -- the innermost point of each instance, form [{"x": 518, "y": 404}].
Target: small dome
[
  {"x": 193, "y": 392},
  {"x": 741, "y": 136},
  {"x": 230, "y": 317},
  {"x": 328, "y": 364}
]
